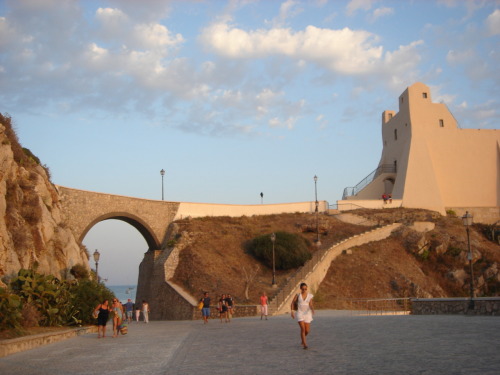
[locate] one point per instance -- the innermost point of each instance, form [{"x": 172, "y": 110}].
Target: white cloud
[
  {"x": 381, "y": 12},
  {"x": 344, "y": 51},
  {"x": 355, "y": 5},
  {"x": 459, "y": 57},
  {"x": 493, "y": 23},
  {"x": 288, "y": 9}
]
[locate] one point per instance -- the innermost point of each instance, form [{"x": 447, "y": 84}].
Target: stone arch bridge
[{"x": 84, "y": 209}]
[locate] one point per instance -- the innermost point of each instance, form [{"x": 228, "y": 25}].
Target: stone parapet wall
[
  {"x": 239, "y": 311},
  {"x": 453, "y": 306},
  {"x": 187, "y": 209}
]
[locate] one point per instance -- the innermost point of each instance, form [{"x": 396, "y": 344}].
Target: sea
[{"x": 123, "y": 292}]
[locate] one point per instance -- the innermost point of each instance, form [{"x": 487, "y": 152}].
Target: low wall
[
  {"x": 485, "y": 215},
  {"x": 236, "y": 210},
  {"x": 239, "y": 311},
  {"x": 374, "y": 204},
  {"x": 20, "y": 344},
  {"x": 451, "y": 306}
]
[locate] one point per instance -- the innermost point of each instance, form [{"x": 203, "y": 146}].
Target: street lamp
[
  {"x": 318, "y": 242},
  {"x": 467, "y": 221},
  {"x": 162, "y": 172},
  {"x": 96, "y": 255},
  {"x": 273, "y": 239}
]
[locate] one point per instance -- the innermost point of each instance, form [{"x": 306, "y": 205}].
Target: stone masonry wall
[{"x": 452, "y": 306}]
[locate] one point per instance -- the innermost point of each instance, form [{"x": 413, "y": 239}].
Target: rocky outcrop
[{"x": 32, "y": 230}]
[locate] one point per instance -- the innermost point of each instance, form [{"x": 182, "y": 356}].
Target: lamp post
[
  {"x": 318, "y": 242},
  {"x": 261, "y": 198},
  {"x": 162, "y": 172},
  {"x": 273, "y": 239},
  {"x": 467, "y": 221},
  {"x": 97, "y": 255}
]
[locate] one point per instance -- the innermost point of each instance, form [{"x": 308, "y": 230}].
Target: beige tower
[{"x": 428, "y": 162}]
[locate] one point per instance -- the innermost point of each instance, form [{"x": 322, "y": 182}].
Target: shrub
[
  {"x": 79, "y": 271},
  {"x": 291, "y": 250},
  {"x": 44, "y": 300},
  {"x": 86, "y": 295},
  {"x": 10, "y": 309}
]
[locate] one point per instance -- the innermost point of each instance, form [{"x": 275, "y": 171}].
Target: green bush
[
  {"x": 291, "y": 250},
  {"x": 60, "y": 303},
  {"x": 79, "y": 272},
  {"x": 86, "y": 295},
  {"x": 10, "y": 310}
]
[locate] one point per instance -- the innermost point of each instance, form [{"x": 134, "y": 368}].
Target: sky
[{"x": 230, "y": 98}]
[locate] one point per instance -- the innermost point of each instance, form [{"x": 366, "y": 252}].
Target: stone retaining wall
[
  {"x": 20, "y": 344},
  {"x": 240, "y": 311},
  {"x": 437, "y": 306}
]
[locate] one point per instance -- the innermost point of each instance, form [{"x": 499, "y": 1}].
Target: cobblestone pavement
[{"x": 338, "y": 344}]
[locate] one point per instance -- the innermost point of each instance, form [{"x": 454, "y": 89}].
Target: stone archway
[{"x": 134, "y": 221}]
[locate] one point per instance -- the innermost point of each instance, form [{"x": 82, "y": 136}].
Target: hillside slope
[{"x": 407, "y": 264}]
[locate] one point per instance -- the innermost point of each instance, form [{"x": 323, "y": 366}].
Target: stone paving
[{"x": 338, "y": 344}]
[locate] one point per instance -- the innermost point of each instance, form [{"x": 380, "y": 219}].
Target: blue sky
[{"x": 231, "y": 98}]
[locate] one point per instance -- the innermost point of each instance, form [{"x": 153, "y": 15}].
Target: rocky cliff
[{"x": 32, "y": 230}]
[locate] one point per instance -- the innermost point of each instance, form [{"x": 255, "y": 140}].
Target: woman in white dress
[{"x": 303, "y": 303}]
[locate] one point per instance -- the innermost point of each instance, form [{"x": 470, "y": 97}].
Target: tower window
[
  {"x": 390, "y": 115},
  {"x": 424, "y": 95},
  {"x": 441, "y": 123},
  {"x": 395, "y": 134}
]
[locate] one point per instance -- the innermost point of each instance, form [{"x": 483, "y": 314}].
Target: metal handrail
[{"x": 384, "y": 168}]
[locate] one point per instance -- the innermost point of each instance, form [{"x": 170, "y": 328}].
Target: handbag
[
  {"x": 200, "y": 305},
  {"x": 123, "y": 328}
]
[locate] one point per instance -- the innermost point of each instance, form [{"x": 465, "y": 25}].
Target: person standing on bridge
[{"x": 303, "y": 303}]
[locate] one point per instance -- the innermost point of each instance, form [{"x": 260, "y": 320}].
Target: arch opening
[{"x": 121, "y": 247}]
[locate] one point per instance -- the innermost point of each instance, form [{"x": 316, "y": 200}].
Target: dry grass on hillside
[
  {"x": 215, "y": 259},
  {"x": 393, "y": 268}
]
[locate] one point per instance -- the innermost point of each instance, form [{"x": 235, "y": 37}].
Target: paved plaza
[{"x": 339, "y": 344}]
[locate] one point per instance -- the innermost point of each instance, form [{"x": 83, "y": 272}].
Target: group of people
[
  {"x": 225, "y": 306},
  {"x": 387, "y": 198},
  {"x": 301, "y": 306},
  {"x": 119, "y": 313}
]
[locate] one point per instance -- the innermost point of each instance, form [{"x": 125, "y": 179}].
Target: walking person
[
  {"x": 230, "y": 306},
  {"x": 303, "y": 303},
  {"x": 137, "y": 311},
  {"x": 205, "y": 310},
  {"x": 263, "y": 305},
  {"x": 223, "y": 308},
  {"x": 117, "y": 310},
  {"x": 145, "y": 311},
  {"x": 102, "y": 312},
  {"x": 129, "y": 309}
]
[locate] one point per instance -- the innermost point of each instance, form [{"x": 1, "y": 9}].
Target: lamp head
[
  {"x": 467, "y": 219},
  {"x": 96, "y": 255},
  {"x": 162, "y": 172}
]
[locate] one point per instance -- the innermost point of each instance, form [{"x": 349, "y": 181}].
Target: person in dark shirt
[
  {"x": 102, "y": 312},
  {"x": 229, "y": 304},
  {"x": 205, "y": 310}
]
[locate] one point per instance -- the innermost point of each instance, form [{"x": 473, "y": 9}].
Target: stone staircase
[{"x": 314, "y": 270}]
